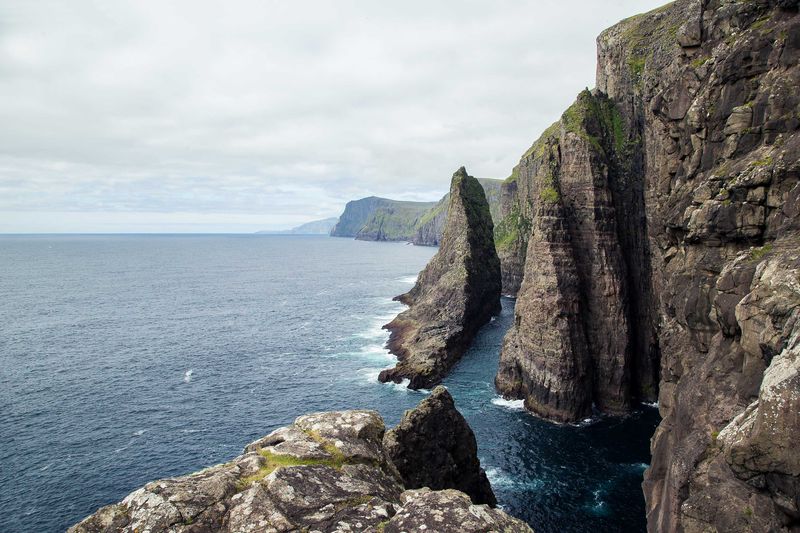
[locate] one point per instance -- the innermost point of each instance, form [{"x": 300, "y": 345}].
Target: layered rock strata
[
  {"x": 695, "y": 170},
  {"x": 571, "y": 342},
  {"x": 327, "y": 472},
  {"x": 711, "y": 89},
  {"x": 456, "y": 293}
]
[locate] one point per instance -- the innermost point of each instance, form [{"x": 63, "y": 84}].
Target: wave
[
  {"x": 514, "y": 405},
  {"x": 187, "y": 376},
  {"x": 501, "y": 479},
  {"x": 409, "y": 279}
]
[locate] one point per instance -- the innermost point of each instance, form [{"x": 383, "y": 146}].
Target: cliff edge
[{"x": 327, "y": 472}]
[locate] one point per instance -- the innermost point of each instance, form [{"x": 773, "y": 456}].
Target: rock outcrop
[
  {"x": 664, "y": 209},
  {"x": 431, "y": 226},
  {"x": 571, "y": 345},
  {"x": 434, "y": 447},
  {"x": 456, "y": 293},
  {"x": 380, "y": 219},
  {"x": 327, "y": 472}
]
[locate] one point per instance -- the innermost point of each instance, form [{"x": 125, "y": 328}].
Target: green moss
[
  {"x": 549, "y": 194},
  {"x": 756, "y": 254},
  {"x": 508, "y": 231},
  {"x": 699, "y": 62},
  {"x": 275, "y": 461},
  {"x": 763, "y": 162},
  {"x": 548, "y": 137},
  {"x": 748, "y": 511},
  {"x": 714, "y": 435},
  {"x": 514, "y": 175}
]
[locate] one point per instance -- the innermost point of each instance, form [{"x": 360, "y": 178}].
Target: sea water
[{"x": 129, "y": 358}]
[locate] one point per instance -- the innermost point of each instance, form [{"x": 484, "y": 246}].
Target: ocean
[{"x": 128, "y": 358}]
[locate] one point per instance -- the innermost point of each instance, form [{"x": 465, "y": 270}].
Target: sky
[{"x": 238, "y": 116}]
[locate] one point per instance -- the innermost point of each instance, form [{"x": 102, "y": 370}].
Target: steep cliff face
[
  {"x": 673, "y": 228},
  {"x": 431, "y": 226},
  {"x": 711, "y": 88},
  {"x": 327, "y": 472},
  {"x": 456, "y": 293},
  {"x": 380, "y": 219},
  {"x": 572, "y": 343}
]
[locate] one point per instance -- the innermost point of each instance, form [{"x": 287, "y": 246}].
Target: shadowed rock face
[
  {"x": 571, "y": 343},
  {"x": 456, "y": 293},
  {"x": 680, "y": 217},
  {"x": 326, "y": 472},
  {"x": 434, "y": 447}
]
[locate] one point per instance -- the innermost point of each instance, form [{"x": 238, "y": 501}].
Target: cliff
[
  {"x": 380, "y": 219},
  {"x": 327, "y": 472},
  {"x": 434, "y": 447},
  {"x": 456, "y": 293},
  {"x": 315, "y": 227},
  {"x": 654, "y": 231},
  {"x": 431, "y": 226}
]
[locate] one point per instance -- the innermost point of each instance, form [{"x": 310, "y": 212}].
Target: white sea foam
[
  {"x": 409, "y": 279},
  {"x": 187, "y": 376},
  {"x": 514, "y": 405},
  {"x": 499, "y": 478},
  {"x": 651, "y": 404},
  {"x": 139, "y": 433}
]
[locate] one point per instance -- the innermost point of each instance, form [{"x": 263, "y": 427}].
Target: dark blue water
[{"x": 128, "y": 358}]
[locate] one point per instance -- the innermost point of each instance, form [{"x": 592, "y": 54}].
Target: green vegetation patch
[{"x": 756, "y": 254}]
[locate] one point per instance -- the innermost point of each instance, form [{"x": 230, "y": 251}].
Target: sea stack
[
  {"x": 433, "y": 446},
  {"x": 456, "y": 293},
  {"x": 569, "y": 346}
]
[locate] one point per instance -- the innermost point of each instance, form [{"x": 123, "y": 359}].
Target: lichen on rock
[{"x": 327, "y": 472}]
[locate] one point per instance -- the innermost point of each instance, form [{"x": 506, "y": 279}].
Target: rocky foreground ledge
[{"x": 328, "y": 472}]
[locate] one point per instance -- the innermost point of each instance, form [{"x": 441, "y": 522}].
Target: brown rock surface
[
  {"x": 456, "y": 293},
  {"x": 434, "y": 447}
]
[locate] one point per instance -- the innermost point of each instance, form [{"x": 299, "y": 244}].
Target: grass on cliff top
[
  {"x": 646, "y": 33},
  {"x": 276, "y": 461}
]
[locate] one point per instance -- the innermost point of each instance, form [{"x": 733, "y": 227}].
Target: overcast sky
[{"x": 238, "y": 116}]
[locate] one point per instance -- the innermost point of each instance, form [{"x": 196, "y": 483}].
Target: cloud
[{"x": 260, "y": 114}]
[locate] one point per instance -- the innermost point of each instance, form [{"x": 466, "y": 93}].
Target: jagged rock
[
  {"x": 434, "y": 447},
  {"x": 571, "y": 344},
  {"x": 456, "y": 293},
  {"x": 701, "y": 164},
  {"x": 327, "y": 472},
  {"x": 720, "y": 145},
  {"x": 430, "y": 228}
]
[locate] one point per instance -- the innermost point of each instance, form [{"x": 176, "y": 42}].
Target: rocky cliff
[
  {"x": 431, "y": 226},
  {"x": 456, "y": 293},
  {"x": 434, "y": 447},
  {"x": 380, "y": 219},
  {"x": 327, "y": 472},
  {"x": 654, "y": 231}
]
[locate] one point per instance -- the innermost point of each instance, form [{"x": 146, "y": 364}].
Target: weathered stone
[
  {"x": 434, "y": 447},
  {"x": 343, "y": 483},
  {"x": 456, "y": 293},
  {"x": 449, "y": 510}
]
